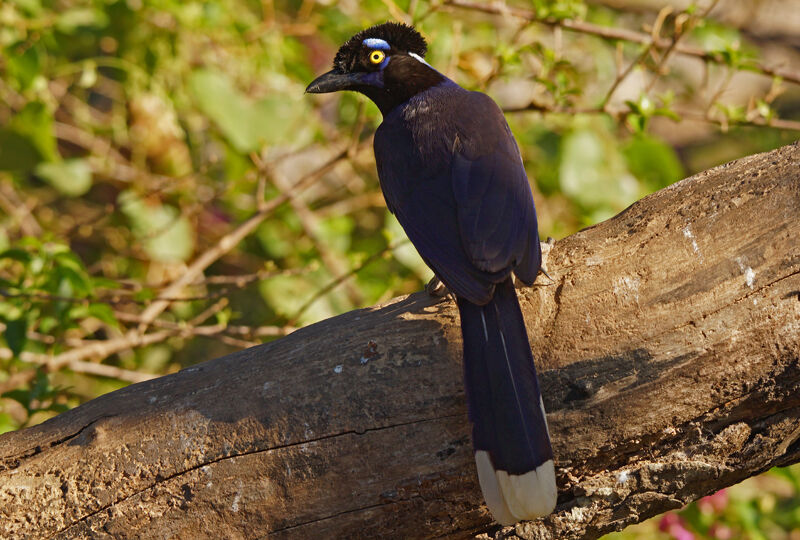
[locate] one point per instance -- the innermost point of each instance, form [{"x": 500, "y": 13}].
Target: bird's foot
[
  {"x": 436, "y": 288},
  {"x": 546, "y": 247}
]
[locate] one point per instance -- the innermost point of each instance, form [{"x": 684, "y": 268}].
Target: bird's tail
[{"x": 509, "y": 429}]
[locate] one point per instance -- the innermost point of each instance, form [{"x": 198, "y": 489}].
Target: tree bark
[{"x": 668, "y": 349}]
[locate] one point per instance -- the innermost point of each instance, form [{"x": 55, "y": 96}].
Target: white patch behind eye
[
  {"x": 418, "y": 57},
  {"x": 376, "y": 43}
]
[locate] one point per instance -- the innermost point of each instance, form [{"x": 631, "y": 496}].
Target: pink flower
[
  {"x": 713, "y": 504},
  {"x": 667, "y": 520},
  {"x": 720, "y": 532},
  {"x": 673, "y": 525}
]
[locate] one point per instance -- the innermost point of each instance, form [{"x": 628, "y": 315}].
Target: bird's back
[{"x": 451, "y": 172}]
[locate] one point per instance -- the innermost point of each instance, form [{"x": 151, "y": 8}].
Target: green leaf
[
  {"x": 48, "y": 324},
  {"x": 16, "y": 254},
  {"x": 15, "y": 335},
  {"x": 72, "y": 177},
  {"x": 286, "y": 294},
  {"x": 246, "y": 123},
  {"x": 227, "y": 107},
  {"x": 35, "y": 122},
  {"x": 104, "y": 313},
  {"x": 594, "y": 174},
  {"x": 637, "y": 123},
  {"x": 79, "y": 281},
  {"x": 7, "y": 423},
  {"x": 166, "y": 235},
  {"x": 668, "y": 113},
  {"x": 24, "y": 64},
  {"x": 335, "y": 232},
  {"x": 144, "y": 295},
  {"x": 17, "y": 152},
  {"x": 9, "y": 311},
  {"x": 175, "y": 243},
  {"x": 32, "y": 7},
  {"x": 72, "y": 19},
  {"x": 63, "y": 257},
  {"x": 653, "y": 161}
]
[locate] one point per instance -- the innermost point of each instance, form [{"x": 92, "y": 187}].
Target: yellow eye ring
[{"x": 376, "y": 57}]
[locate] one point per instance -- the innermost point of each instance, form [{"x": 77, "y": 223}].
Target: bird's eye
[{"x": 376, "y": 57}]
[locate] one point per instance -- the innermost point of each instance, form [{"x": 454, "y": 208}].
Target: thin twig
[
  {"x": 623, "y": 34},
  {"x": 113, "y": 372},
  {"x": 619, "y": 112},
  {"x": 14, "y": 206}
]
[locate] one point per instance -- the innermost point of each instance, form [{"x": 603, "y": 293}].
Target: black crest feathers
[{"x": 400, "y": 36}]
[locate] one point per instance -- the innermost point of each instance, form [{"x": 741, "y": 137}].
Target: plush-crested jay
[{"x": 451, "y": 172}]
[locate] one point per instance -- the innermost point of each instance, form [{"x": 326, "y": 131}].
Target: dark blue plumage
[{"x": 451, "y": 172}]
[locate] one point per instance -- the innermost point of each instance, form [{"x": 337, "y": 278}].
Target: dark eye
[{"x": 376, "y": 57}]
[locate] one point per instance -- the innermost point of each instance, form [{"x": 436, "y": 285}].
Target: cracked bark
[{"x": 669, "y": 353}]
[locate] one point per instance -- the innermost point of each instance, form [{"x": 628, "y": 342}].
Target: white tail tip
[{"x": 512, "y": 498}]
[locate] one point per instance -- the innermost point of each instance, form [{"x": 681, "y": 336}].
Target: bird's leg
[{"x": 436, "y": 288}]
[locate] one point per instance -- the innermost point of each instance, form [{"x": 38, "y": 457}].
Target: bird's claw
[
  {"x": 546, "y": 247},
  {"x": 436, "y": 288}
]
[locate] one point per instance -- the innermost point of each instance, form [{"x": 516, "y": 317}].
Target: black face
[{"x": 384, "y": 62}]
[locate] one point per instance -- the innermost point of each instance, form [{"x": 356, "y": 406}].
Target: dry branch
[{"x": 669, "y": 353}]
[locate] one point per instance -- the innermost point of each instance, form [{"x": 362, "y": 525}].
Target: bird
[{"x": 451, "y": 172}]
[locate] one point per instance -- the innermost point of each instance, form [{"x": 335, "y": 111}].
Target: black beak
[{"x": 333, "y": 81}]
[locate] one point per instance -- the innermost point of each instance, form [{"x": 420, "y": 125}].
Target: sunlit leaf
[
  {"x": 7, "y": 423},
  {"x": 71, "y": 177},
  {"x": 593, "y": 173},
  {"x": 166, "y": 235},
  {"x": 24, "y": 64},
  {"x": 246, "y": 123},
  {"x": 72, "y": 19}
]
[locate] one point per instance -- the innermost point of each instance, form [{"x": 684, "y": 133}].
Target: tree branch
[
  {"x": 669, "y": 355},
  {"x": 618, "y": 34}
]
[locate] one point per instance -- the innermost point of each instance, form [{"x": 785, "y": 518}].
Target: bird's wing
[
  {"x": 496, "y": 216},
  {"x": 468, "y": 210}
]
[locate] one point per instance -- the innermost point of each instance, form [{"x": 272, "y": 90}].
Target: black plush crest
[{"x": 400, "y": 36}]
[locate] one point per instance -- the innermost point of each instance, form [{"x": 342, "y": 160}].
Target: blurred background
[{"x": 169, "y": 195}]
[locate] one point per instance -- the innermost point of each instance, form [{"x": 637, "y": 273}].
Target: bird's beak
[{"x": 333, "y": 81}]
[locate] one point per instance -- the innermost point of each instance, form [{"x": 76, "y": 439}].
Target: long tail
[{"x": 509, "y": 429}]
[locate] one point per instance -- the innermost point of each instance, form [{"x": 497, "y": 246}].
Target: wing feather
[{"x": 468, "y": 209}]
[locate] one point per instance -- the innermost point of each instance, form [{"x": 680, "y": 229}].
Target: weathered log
[{"x": 668, "y": 348}]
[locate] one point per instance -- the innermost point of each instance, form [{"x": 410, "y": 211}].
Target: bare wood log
[{"x": 669, "y": 352}]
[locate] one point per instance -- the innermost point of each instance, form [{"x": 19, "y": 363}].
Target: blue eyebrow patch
[{"x": 376, "y": 43}]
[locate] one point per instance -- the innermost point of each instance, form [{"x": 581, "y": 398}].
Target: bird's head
[{"x": 384, "y": 62}]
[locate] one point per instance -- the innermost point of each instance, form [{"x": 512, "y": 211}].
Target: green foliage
[
  {"x": 46, "y": 288},
  {"x": 643, "y": 109},
  {"x": 652, "y": 161},
  {"x": 71, "y": 177},
  {"x": 45, "y": 293}
]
